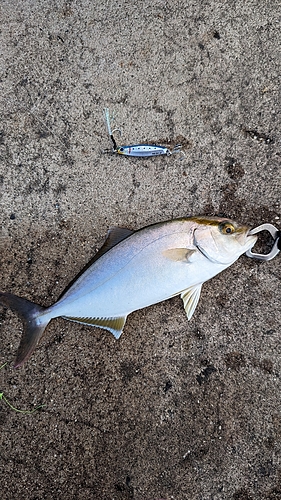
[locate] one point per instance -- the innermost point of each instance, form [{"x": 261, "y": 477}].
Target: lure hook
[
  {"x": 276, "y": 235},
  {"x": 110, "y": 132},
  {"x": 141, "y": 150},
  {"x": 176, "y": 149}
]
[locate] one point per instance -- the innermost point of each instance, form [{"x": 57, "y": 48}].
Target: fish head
[
  {"x": 122, "y": 150},
  {"x": 222, "y": 240}
]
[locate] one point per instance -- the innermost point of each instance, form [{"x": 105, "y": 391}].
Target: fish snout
[{"x": 250, "y": 239}]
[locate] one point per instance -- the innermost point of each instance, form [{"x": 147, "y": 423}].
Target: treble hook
[
  {"x": 176, "y": 149},
  {"x": 276, "y": 235}
]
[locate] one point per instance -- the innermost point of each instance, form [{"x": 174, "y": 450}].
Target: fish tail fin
[{"x": 33, "y": 320}]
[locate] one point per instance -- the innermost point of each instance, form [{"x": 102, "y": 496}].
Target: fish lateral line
[
  {"x": 174, "y": 254},
  {"x": 150, "y": 279}
]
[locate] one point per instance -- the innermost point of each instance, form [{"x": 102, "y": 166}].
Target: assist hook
[
  {"x": 110, "y": 131},
  {"x": 276, "y": 235}
]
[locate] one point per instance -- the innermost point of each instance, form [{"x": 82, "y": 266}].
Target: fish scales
[
  {"x": 136, "y": 269},
  {"x": 133, "y": 275}
]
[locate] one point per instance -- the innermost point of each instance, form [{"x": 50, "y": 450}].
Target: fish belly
[{"x": 142, "y": 280}]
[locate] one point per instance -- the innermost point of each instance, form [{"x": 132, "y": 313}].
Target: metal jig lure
[
  {"x": 143, "y": 150},
  {"x": 276, "y": 235},
  {"x": 147, "y": 150}
]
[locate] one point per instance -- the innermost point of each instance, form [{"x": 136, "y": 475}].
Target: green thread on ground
[{"x": 13, "y": 407}]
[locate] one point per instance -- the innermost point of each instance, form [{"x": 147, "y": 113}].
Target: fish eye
[
  {"x": 121, "y": 149},
  {"x": 226, "y": 228}
]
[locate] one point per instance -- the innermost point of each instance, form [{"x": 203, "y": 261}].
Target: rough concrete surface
[{"x": 174, "y": 409}]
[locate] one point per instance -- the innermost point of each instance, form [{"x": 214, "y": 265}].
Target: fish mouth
[{"x": 250, "y": 240}]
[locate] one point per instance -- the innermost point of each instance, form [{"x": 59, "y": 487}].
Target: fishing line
[{"x": 13, "y": 407}]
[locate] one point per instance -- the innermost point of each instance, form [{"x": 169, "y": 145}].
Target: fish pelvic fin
[
  {"x": 190, "y": 298},
  {"x": 33, "y": 324},
  {"x": 114, "y": 325}
]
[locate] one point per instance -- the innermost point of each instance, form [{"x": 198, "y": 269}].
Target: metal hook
[
  {"x": 110, "y": 132},
  {"x": 117, "y": 130},
  {"x": 276, "y": 235},
  {"x": 144, "y": 150},
  {"x": 108, "y": 151},
  {"x": 176, "y": 149}
]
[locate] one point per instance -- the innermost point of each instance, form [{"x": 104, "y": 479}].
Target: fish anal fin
[
  {"x": 114, "y": 325},
  {"x": 190, "y": 298},
  {"x": 178, "y": 254}
]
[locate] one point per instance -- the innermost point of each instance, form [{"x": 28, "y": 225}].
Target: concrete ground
[{"x": 173, "y": 410}]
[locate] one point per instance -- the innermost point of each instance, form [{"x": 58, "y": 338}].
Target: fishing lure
[
  {"x": 143, "y": 150},
  {"x": 146, "y": 150}
]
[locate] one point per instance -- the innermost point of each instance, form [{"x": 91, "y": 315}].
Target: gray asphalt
[{"x": 174, "y": 410}]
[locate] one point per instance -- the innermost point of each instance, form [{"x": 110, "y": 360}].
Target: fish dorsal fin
[
  {"x": 178, "y": 254},
  {"x": 114, "y": 236},
  {"x": 114, "y": 325},
  {"x": 190, "y": 298}
]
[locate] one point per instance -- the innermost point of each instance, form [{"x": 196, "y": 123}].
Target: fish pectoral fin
[
  {"x": 178, "y": 254},
  {"x": 190, "y": 298},
  {"x": 114, "y": 325}
]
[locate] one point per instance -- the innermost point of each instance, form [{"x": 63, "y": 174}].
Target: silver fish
[{"x": 133, "y": 270}]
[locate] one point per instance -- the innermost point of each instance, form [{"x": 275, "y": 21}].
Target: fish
[{"x": 135, "y": 269}]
